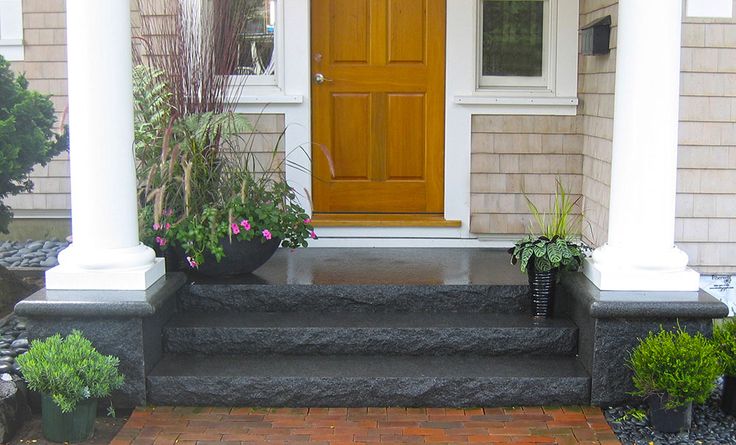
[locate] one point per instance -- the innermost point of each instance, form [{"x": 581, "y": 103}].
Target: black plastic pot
[
  {"x": 728, "y": 398},
  {"x": 241, "y": 257},
  {"x": 542, "y": 286},
  {"x": 669, "y": 420}
]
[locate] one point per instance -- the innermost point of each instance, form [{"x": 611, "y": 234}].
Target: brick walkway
[{"x": 331, "y": 426}]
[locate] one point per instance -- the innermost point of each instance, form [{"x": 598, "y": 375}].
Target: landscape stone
[{"x": 13, "y": 407}]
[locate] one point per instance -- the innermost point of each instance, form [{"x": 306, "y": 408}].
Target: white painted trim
[
  {"x": 428, "y": 242},
  {"x": 41, "y": 214},
  {"x": 11, "y": 30},
  {"x": 709, "y": 8},
  {"x": 270, "y": 99}
]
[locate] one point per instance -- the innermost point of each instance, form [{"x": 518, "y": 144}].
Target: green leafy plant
[
  {"x": 69, "y": 370},
  {"x": 632, "y": 413},
  {"x": 26, "y": 136},
  {"x": 676, "y": 366},
  {"x": 552, "y": 244},
  {"x": 200, "y": 182},
  {"x": 724, "y": 338}
]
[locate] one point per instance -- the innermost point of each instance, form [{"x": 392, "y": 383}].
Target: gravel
[
  {"x": 710, "y": 426},
  {"x": 31, "y": 253}
]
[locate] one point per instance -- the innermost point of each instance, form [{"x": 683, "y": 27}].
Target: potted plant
[
  {"x": 208, "y": 200},
  {"x": 70, "y": 375},
  {"x": 672, "y": 370},
  {"x": 724, "y": 337},
  {"x": 552, "y": 249}
]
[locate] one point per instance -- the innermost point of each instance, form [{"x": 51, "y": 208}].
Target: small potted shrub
[
  {"x": 673, "y": 370},
  {"x": 724, "y": 337},
  {"x": 70, "y": 375},
  {"x": 552, "y": 248}
]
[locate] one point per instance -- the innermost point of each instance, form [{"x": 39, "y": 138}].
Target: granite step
[
  {"x": 392, "y": 333},
  {"x": 371, "y": 380},
  {"x": 240, "y": 297}
]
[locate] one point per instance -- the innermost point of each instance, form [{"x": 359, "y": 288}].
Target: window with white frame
[
  {"x": 11, "y": 29},
  {"x": 257, "y": 46},
  {"x": 514, "y": 46},
  {"x": 527, "y": 47}
]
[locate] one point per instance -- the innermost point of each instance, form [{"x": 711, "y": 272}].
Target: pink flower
[
  {"x": 156, "y": 226},
  {"x": 308, "y": 221},
  {"x": 168, "y": 226},
  {"x": 266, "y": 234},
  {"x": 161, "y": 241},
  {"x": 246, "y": 224},
  {"x": 234, "y": 227},
  {"x": 312, "y": 235},
  {"x": 168, "y": 212},
  {"x": 192, "y": 263}
]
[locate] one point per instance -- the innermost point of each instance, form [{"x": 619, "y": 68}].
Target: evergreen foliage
[
  {"x": 677, "y": 366},
  {"x": 26, "y": 138},
  {"x": 69, "y": 370},
  {"x": 724, "y": 337}
]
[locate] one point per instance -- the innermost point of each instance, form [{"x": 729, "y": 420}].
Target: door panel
[{"x": 380, "y": 113}]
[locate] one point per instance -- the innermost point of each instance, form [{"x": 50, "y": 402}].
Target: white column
[
  {"x": 106, "y": 252},
  {"x": 641, "y": 253}
]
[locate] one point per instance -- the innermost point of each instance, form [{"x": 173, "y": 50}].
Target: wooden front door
[{"x": 379, "y": 112}]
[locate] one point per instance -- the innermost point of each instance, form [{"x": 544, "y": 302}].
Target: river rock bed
[
  {"x": 710, "y": 426},
  {"x": 13, "y": 342},
  {"x": 31, "y": 253}
]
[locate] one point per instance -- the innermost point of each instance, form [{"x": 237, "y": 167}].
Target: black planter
[
  {"x": 542, "y": 286},
  {"x": 728, "y": 398},
  {"x": 669, "y": 420},
  {"x": 241, "y": 257}
]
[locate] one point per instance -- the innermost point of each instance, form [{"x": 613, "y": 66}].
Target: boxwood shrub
[{"x": 676, "y": 365}]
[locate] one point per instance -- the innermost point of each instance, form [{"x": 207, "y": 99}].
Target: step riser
[
  {"x": 362, "y": 392},
  {"x": 368, "y": 341},
  {"x": 504, "y": 299}
]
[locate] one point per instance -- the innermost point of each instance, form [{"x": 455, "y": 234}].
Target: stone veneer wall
[
  {"x": 513, "y": 155},
  {"x": 706, "y": 183}
]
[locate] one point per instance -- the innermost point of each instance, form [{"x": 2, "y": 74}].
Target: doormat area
[{"x": 330, "y": 426}]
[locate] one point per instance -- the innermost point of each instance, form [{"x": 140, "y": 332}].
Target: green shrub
[
  {"x": 676, "y": 364},
  {"x": 724, "y": 337},
  {"x": 26, "y": 139},
  {"x": 69, "y": 370}
]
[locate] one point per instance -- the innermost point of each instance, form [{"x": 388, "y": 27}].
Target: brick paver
[{"x": 331, "y": 426}]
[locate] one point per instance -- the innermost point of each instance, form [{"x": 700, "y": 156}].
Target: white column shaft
[
  {"x": 640, "y": 254},
  {"x": 106, "y": 252},
  {"x": 101, "y": 122}
]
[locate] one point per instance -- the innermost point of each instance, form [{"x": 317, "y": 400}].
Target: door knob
[{"x": 320, "y": 78}]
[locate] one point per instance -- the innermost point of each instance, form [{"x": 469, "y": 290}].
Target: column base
[
  {"x": 618, "y": 278},
  {"x": 134, "y": 278}
]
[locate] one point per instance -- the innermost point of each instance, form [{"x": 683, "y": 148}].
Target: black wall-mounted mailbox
[{"x": 597, "y": 37}]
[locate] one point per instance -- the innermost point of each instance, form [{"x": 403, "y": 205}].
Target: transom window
[{"x": 515, "y": 39}]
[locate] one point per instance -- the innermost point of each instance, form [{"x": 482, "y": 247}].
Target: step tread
[
  {"x": 358, "y": 320},
  {"x": 373, "y": 366}
]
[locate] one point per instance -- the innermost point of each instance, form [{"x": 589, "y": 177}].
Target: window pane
[
  {"x": 512, "y": 37},
  {"x": 256, "y": 46}
]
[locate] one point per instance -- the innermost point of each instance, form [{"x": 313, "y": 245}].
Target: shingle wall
[{"x": 706, "y": 183}]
